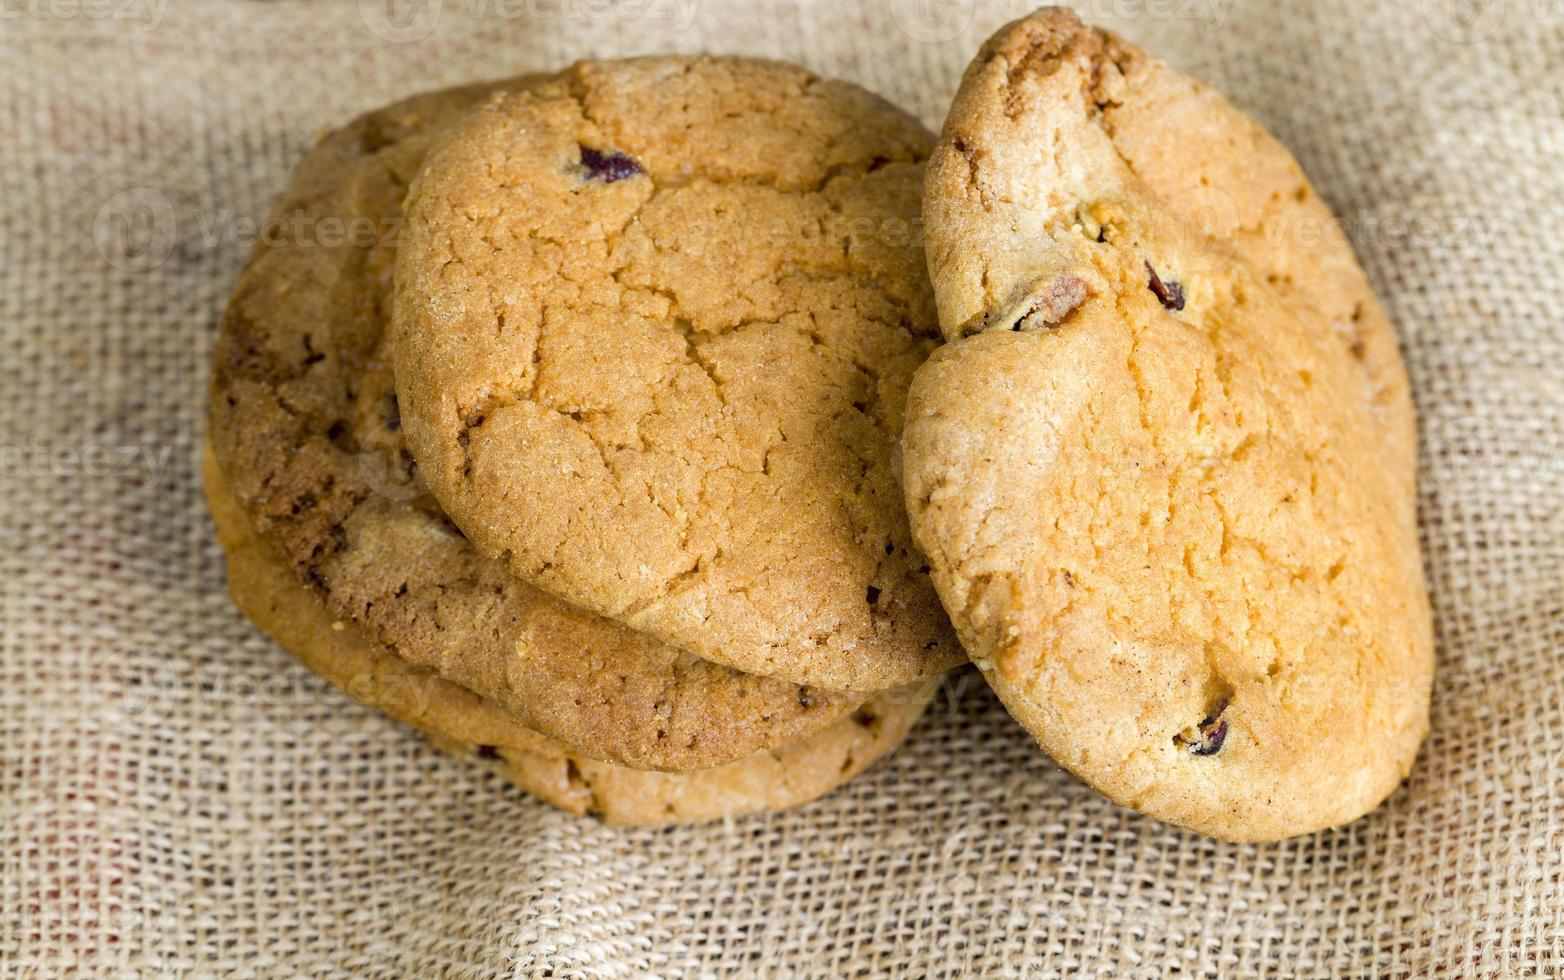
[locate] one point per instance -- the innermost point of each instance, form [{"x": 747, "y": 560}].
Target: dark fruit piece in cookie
[{"x": 607, "y": 165}]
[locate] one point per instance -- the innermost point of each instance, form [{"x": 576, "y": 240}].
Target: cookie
[
  {"x": 655, "y": 324},
  {"x": 463, "y": 724},
  {"x": 305, "y": 424},
  {"x": 1163, "y": 469}
]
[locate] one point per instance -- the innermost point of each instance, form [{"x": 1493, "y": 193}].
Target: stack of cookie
[
  {"x": 603, "y": 450},
  {"x": 572, "y": 444}
]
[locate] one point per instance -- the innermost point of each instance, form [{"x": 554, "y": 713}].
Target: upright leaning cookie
[
  {"x": 655, "y": 324},
  {"x": 1163, "y": 469}
]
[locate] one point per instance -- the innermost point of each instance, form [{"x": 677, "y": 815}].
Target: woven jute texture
[{"x": 178, "y": 796}]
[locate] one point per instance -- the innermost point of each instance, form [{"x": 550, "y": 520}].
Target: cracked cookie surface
[
  {"x": 465, "y": 725},
  {"x": 655, "y": 324},
  {"x": 305, "y": 424},
  {"x": 1163, "y": 469}
]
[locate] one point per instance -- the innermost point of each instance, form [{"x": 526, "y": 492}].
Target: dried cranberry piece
[
  {"x": 1211, "y": 738},
  {"x": 1170, "y": 294},
  {"x": 608, "y": 165},
  {"x": 1207, "y": 739},
  {"x": 1051, "y": 306}
]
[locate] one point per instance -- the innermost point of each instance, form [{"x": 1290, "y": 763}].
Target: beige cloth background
[{"x": 178, "y": 796}]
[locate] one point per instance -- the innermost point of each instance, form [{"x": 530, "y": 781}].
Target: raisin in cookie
[
  {"x": 1163, "y": 469},
  {"x": 460, "y": 722},
  {"x": 305, "y": 425},
  {"x": 654, "y": 327}
]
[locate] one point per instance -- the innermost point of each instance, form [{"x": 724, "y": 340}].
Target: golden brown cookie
[
  {"x": 1163, "y": 470},
  {"x": 466, "y": 725},
  {"x": 305, "y": 424},
  {"x": 655, "y": 323}
]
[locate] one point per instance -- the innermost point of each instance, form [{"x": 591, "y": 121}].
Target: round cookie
[
  {"x": 465, "y": 725},
  {"x": 1163, "y": 470},
  {"x": 305, "y": 425},
  {"x": 655, "y": 324}
]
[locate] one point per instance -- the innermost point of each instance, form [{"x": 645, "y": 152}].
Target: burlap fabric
[{"x": 178, "y": 796}]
